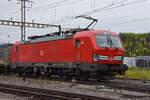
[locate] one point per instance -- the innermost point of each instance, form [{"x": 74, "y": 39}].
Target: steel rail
[
  {"x": 46, "y": 94},
  {"x": 145, "y": 88},
  {"x": 130, "y": 86},
  {"x": 121, "y": 85}
]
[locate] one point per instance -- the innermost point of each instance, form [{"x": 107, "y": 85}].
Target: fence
[{"x": 139, "y": 61}]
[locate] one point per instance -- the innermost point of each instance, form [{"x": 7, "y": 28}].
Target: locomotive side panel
[
  {"x": 46, "y": 52},
  {"x": 62, "y": 51},
  {"x": 25, "y": 53}
]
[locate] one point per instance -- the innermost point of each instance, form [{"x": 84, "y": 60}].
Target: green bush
[{"x": 136, "y": 44}]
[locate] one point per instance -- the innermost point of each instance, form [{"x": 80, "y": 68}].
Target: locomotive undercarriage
[{"x": 82, "y": 71}]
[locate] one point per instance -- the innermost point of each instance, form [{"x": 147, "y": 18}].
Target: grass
[{"x": 136, "y": 73}]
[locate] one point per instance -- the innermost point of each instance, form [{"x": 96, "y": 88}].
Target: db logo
[
  {"x": 110, "y": 58},
  {"x": 41, "y": 53}
]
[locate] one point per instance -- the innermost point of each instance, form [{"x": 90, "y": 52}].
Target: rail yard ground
[
  {"x": 4, "y": 96},
  {"x": 87, "y": 89},
  {"x": 137, "y": 73}
]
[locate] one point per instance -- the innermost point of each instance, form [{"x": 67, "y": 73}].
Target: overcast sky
[{"x": 115, "y": 15}]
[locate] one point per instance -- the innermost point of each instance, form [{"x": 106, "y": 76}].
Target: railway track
[
  {"x": 43, "y": 94},
  {"x": 126, "y": 84},
  {"x": 110, "y": 88},
  {"x": 131, "y": 86},
  {"x": 141, "y": 85},
  {"x": 131, "y": 80}
]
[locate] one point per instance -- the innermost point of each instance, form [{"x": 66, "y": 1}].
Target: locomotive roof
[
  {"x": 50, "y": 37},
  {"x": 88, "y": 33}
]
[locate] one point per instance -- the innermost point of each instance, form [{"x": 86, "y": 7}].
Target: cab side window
[
  {"x": 16, "y": 49},
  {"x": 77, "y": 43}
]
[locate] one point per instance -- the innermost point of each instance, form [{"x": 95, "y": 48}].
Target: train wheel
[
  {"x": 106, "y": 78},
  {"x": 84, "y": 76}
]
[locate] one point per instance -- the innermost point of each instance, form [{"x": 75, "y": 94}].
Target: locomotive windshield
[
  {"x": 116, "y": 42},
  {"x": 102, "y": 41},
  {"x": 108, "y": 41}
]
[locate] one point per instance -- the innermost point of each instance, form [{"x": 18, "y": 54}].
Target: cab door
[
  {"x": 16, "y": 54},
  {"x": 77, "y": 51}
]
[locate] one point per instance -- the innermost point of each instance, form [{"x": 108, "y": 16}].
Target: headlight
[
  {"x": 95, "y": 57},
  {"x": 101, "y": 57},
  {"x": 118, "y": 58}
]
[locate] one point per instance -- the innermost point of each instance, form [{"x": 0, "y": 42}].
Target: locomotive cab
[
  {"x": 109, "y": 49},
  {"x": 100, "y": 51}
]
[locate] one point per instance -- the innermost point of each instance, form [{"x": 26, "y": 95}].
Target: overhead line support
[{"x": 27, "y": 24}]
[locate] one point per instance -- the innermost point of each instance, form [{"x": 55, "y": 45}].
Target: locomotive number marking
[{"x": 41, "y": 52}]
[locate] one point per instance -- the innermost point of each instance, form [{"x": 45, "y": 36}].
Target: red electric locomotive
[
  {"x": 86, "y": 54},
  {"x": 81, "y": 53}
]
